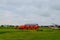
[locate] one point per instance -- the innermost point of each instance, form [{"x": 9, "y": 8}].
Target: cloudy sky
[{"x": 16, "y": 12}]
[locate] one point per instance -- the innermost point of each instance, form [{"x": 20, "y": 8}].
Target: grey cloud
[
  {"x": 31, "y": 11},
  {"x": 46, "y": 15},
  {"x": 55, "y": 4}
]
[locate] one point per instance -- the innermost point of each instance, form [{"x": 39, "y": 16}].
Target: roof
[{"x": 31, "y": 24}]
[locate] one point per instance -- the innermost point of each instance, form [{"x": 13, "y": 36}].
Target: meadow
[{"x": 17, "y": 34}]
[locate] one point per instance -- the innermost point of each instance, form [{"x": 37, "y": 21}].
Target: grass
[{"x": 41, "y": 34}]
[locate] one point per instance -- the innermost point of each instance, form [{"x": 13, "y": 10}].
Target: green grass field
[{"x": 42, "y": 34}]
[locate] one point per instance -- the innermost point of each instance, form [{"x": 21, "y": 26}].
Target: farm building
[
  {"x": 54, "y": 26},
  {"x": 28, "y": 26}
]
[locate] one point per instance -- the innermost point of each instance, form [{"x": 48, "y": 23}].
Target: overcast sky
[{"x": 16, "y": 12}]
